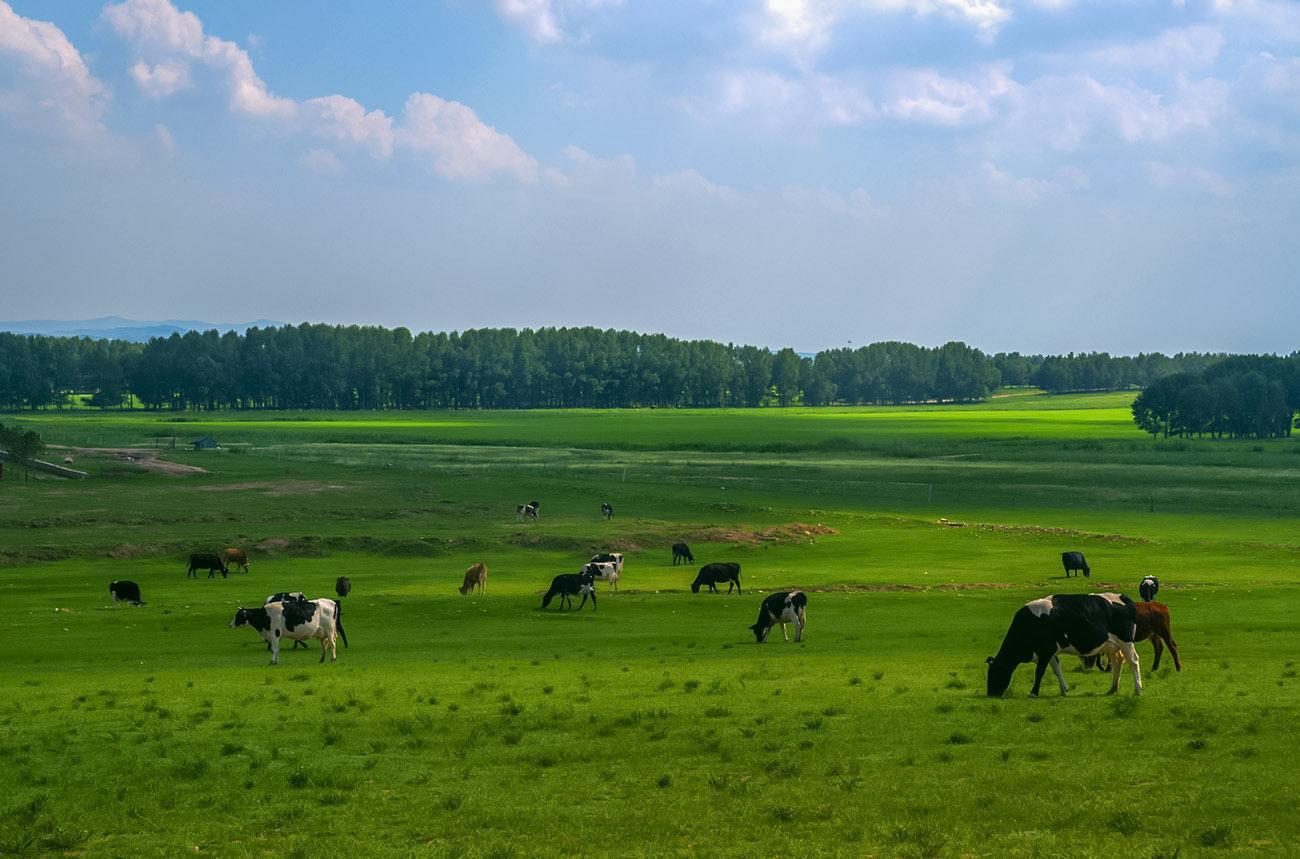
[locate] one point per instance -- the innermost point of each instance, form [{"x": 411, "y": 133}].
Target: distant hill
[{"x": 117, "y": 328}]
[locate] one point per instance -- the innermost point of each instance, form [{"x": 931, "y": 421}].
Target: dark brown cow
[{"x": 236, "y": 558}]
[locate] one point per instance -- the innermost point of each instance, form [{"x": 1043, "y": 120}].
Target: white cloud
[
  {"x": 459, "y": 144},
  {"x": 55, "y": 88},
  {"x": 1194, "y": 178},
  {"x": 691, "y": 182},
  {"x": 1177, "y": 50},
  {"x": 158, "y": 28},
  {"x": 160, "y": 80},
  {"x": 547, "y": 22},
  {"x": 780, "y": 100},
  {"x": 855, "y": 204},
  {"x": 322, "y": 161},
  {"x": 347, "y": 121},
  {"x": 925, "y": 95}
]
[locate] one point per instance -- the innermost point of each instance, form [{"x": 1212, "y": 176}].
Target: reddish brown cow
[
  {"x": 236, "y": 558},
  {"x": 1152, "y": 623},
  {"x": 475, "y": 575}
]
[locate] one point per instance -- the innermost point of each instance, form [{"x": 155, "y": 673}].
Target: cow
[
  {"x": 1074, "y": 562},
  {"x": 713, "y": 574},
  {"x": 606, "y": 571},
  {"x": 342, "y": 586},
  {"x": 528, "y": 511},
  {"x": 682, "y": 552},
  {"x": 298, "y": 621},
  {"x": 607, "y": 511},
  {"x": 236, "y": 558},
  {"x": 782, "y": 607},
  {"x": 209, "y": 561},
  {"x": 1152, "y": 623},
  {"x": 615, "y": 558},
  {"x": 475, "y": 576},
  {"x": 1148, "y": 588},
  {"x": 288, "y": 596},
  {"x": 1081, "y": 624},
  {"x": 126, "y": 591},
  {"x": 568, "y": 585}
]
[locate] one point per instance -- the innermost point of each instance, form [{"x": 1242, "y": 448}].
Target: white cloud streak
[{"x": 56, "y": 90}]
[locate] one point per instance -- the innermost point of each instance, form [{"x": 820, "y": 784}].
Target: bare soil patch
[
  {"x": 793, "y": 532},
  {"x": 140, "y": 457},
  {"x": 275, "y": 489}
]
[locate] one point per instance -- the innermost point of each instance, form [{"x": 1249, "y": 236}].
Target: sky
[{"x": 1022, "y": 175}]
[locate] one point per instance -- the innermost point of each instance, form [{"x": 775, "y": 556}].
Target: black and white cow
[
  {"x": 615, "y": 558},
  {"x": 1074, "y": 563},
  {"x": 607, "y": 510},
  {"x": 782, "y": 607},
  {"x": 528, "y": 511},
  {"x": 716, "y": 573},
  {"x": 682, "y": 552},
  {"x": 1148, "y": 589},
  {"x": 1080, "y": 624},
  {"x": 568, "y": 585},
  {"x": 126, "y": 591},
  {"x": 298, "y": 621},
  {"x": 289, "y": 596},
  {"x": 606, "y": 571}
]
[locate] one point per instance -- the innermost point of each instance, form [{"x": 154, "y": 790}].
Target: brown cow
[
  {"x": 475, "y": 575},
  {"x": 236, "y": 558},
  {"x": 1152, "y": 623}
]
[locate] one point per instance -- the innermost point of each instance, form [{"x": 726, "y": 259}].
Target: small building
[{"x": 206, "y": 443}]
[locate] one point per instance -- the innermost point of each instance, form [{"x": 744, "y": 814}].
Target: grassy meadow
[{"x": 481, "y": 726}]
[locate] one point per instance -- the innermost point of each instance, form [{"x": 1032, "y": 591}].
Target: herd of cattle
[{"x": 1102, "y": 628}]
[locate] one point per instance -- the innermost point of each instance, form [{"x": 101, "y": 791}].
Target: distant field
[{"x": 480, "y": 726}]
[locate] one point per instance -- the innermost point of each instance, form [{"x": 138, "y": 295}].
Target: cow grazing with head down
[
  {"x": 607, "y": 510},
  {"x": 782, "y": 607},
  {"x": 682, "y": 552},
  {"x": 1148, "y": 588},
  {"x": 236, "y": 558},
  {"x": 210, "y": 561},
  {"x": 475, "y": 576},
  {"x": 1074, "y": 563},
  {"x": 1152, "y": 623},
  {"x": 568, "y": 585},
  {"x": 716, "y": 573},
  {"x": 298, "y": 621},
  {"x": 528, "y": 511},
  {"x": 1080, "y": 624},
  {"x": 125, "y": 590},
  {"x": 342, "y": 586}
]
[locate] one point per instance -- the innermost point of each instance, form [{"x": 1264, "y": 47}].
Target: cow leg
[
  {"x": 1116, "y": 665},
  {"x": 783, "y": 633},
  {"x": 799, "y": 623},
  {"x": 275, "y": 650},
  {"x": 1131, "y": 654},
  {"x": 1159, "y": 648},
  {"x": 1040, "y": 666},
  {"x": 1060, "y": 678}
]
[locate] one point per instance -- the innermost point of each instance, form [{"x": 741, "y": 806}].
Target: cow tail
[{"x": 338, "y": 621}]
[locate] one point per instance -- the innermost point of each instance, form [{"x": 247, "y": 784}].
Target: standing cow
[
  {"x": 782, "y": 607},
  {"x": 716, "y": 573},
  {"x": 1074, "y": 563},
  {"x": 236, "y": 558},
  {"x": 1080, "y": 624},
  {"x": 125, "y": 590},
  {"x": 1148, "y": 588},
  {"x": 528, "y": 511},
  {"x": 210, "y": 561},
  {"x": 475, "y": 576},
  {"x": 342, "y": 586},
  {"x": 682, "y": 552},
  {"x": 297, "y": 621},
  {"x": 568, "y": 585},
  {"x": 607, "y": 511},
  {"x": 1152, "y": 623}
]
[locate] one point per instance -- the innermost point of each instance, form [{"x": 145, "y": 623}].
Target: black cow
[
  {"x": 342, "y": 586},
  {"x": 682, "y": 552},
  {"x": 1074, "y": 562},
  {"x": 713, "y": 574},
  {"x": 1081, "y": 624},
  {"x": 607, "y": 510},
  {"x": 1148, "y": 589},
  {"x": 125, "y": 590},
  {"x": 568, "y": 585},
  {"x": 210, "y": 561},
  {"x": 782, "y": 607}
]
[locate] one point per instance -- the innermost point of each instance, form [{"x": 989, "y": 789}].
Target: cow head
[
  {"x": 760, "y": 632},
  {"x": 241, "y": 618},
  {"x": 695, "y": 586},
  {"x": 999, "y": 676}
]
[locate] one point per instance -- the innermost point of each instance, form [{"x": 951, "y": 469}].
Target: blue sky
[{"x": 1034, "y": 175}]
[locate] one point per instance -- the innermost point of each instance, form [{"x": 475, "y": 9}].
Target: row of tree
[
  {"x": 1239, "y": 397},
  {"x": 19, "y": 447},
  {"x": 336, "y": 367}
]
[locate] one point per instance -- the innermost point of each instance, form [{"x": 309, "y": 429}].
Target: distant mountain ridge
[{"x": 118, "y": 328}]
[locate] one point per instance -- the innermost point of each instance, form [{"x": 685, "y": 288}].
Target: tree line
[
  {"x": 20, "y": 446},
  {"x": 313, "y": 366},
  {"x": 1244, "y": 396}
]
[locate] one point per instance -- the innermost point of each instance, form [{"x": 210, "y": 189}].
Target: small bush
[{"x": 1124, "y": 822}]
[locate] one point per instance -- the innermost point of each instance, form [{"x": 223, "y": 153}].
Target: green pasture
[{"x": 484, "y": 726}]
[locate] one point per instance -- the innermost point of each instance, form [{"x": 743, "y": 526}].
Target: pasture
[{"x": 480, "y": 726}]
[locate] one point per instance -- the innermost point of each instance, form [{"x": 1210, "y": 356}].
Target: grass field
[{"x": 481, "y": 726}]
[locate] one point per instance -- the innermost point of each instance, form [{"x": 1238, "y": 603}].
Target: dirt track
[{"x": 142, "y": 457}]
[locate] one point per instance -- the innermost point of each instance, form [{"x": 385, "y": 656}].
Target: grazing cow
[
  {"x": 67, "y": 460},
  {"x": 682, "y": 552},
  {"x": 1081, "y": 624},
  {"x": 607, "y": 571},
  {"x": 607, "y": 510},
  {"x": 342, "y": 586},
  {"x": 568, "y": 585},
  {"x": 528, "y": 511},
  {"x": 475, "y": 576},
  {"x": 782, "y": 607},
  {"x": 298, "y": 621},
  {"x": 713, "y": 574},
  {"x": 1148, "y": 589},
  {"x": 615, "y": 558},
  {"x": 289, "y": 596},
  {"x": 125, "y": 590},
  {"x": 1074, "y": 562},
  {"x": 236, "y": 558},
  {"x": 1152, "y": 623},
  {"x": 209, "y": 561}
]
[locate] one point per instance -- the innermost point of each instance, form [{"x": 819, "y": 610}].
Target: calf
[
  {"x": 475, "y": 576},
  {"x": 298, "y": 621},
  {"x": 782, "y": 607},
  {"x": 236, "y": 558},
  {"x": 682, "y": 552},
  {"x": 1081, "y": 624},
  {"x": 713, "y": 574},
  {"x": 125, "y": 590},
  {"x": 1152, "y": 623},
  {"x": 568, "y": 585},
  {"x": 1074, "y": 563},
  {"x": 603, "y": 572},
  {"x": 342, "y": 586},
  {"x": 209, "y": 561},
  {"x": 1148, "y": 588},
  {"x": 607, "y": 510}
]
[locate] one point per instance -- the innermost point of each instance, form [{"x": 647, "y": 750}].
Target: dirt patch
[
  {"x": 274, "y": 489},
  {"x": 126, "y": 552},
  {"x": 794, "y": 532},
  {"x": 1044, "y": 530},
  {"x": 143, "y": 458}
]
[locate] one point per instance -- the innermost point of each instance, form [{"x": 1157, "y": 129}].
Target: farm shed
[{"x": 206, "y": 443}]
